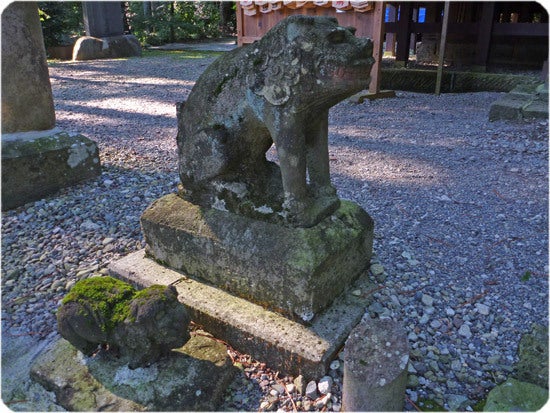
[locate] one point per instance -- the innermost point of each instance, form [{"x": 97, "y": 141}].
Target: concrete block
[
  {"x": 296, "y": 271},
  {"x": 285, "y": 345},
  {"x": 37, "y": 164}
]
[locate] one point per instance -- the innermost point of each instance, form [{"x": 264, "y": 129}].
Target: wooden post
[
  {"x": 484, "y": 36},
  {"x": 442, "y": 47},
  {"x": 403, "y": 33},
  {"x": 390, "y": 37},
  {"x": 377, "y": 40},
  {"x": 240, "y": 25}
]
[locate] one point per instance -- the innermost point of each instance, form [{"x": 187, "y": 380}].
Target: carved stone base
[
  {"x": 295, "y": 271},
  {"x": 285, "y": 345}
]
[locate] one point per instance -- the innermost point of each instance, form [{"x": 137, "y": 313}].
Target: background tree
[
  {"x": 61, "y": 22},
  {"x": 161, "y": 22},
  {"x": 152, "y": 22}
]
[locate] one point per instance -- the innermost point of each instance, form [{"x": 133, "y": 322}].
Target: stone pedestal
[
  {"x": 285, "y": 345},
  {"x": 192, "y": 378},
  {"x": 296, "y": 271},
  {"x": 37, "y": 164}
]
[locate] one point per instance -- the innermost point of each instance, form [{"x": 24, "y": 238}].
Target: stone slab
[
  {"x": 537, "y": 109},
  {"x": 508, "y": 107},
  {"x": 192, "y": 378},
  {"x": 285, "y": 345},
  {"x": 38, "y": 163},
  {"x": 296, "y": 271}
]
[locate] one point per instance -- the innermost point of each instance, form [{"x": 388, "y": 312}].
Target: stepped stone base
[
  {"x": 192, "y": 378},
  {"x": 285, "y": 345},
  {"x": 295, "y": 271},
  {"x": 37, "y": 164}
]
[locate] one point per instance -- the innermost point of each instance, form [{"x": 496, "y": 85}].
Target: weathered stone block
[
  {"x": 292, "y": 270},
  {"x": 193, "y": 378},
  {"x": 37, "y": 164},
  {"x": 89, "y": 48},
  {"x": 285, "y": 345}
]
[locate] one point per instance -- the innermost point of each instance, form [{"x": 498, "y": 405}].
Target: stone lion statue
[
  {"x": 277, "y": 90},
  {"x": 138, "y": 326}
]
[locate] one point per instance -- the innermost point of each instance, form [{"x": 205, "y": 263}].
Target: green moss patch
[{"x": 107, "y": 296}]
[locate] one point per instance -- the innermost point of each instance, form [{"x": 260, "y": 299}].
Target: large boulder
[
  {"x": 90, "y": 48},
  {"x": 516, "y": 396}
]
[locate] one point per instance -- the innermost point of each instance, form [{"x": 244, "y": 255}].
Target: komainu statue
[
  {"x": 138, "y": 326},
  {"x": 277, "y": 90}
]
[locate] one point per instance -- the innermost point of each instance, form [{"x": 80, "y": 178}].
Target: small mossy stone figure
[{"x": 138, "y": 326}]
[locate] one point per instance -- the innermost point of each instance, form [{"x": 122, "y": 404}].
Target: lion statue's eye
[{"x": 337, "y": 35}]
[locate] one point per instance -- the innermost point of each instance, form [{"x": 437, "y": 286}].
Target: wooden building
[{"x": 478, "y": 34}]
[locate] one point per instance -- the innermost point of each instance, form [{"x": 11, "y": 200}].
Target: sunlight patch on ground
[
  {"x": 135, "y": 105},
  {"x": 385, "y": 167}
]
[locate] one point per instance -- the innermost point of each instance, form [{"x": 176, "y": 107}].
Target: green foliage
[
  {"x": 153, "y": 23},
  {"x": 61, "y": 22},
  {"x": 156, "y": 23},
  {"x": 526, "y": 276}
]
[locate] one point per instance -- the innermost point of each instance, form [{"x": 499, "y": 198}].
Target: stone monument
[
  {"x": 273, "y": 240},
  {"x": 105, "y": 36},
  {"x": 37, "y": 158}
]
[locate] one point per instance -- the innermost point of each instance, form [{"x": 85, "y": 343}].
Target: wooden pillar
[
  {"x": 377, "y": 40},
  {"x": 444, "y": 30},
  {"x": 390, "y": 37},
  {"x": 403, "y": 33},
  {"x": 484, "y": 36},
  {"x": 240, "y": 24}
]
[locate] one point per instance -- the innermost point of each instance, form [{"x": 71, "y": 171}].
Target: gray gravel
[{"x": 460, "y": 206}]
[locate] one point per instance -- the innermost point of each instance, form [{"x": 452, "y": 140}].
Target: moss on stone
[
  {"x": 107, "y": 296},
  {"x": 26, "y": 147}
]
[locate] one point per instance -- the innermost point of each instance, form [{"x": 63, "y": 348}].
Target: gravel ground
[{"x": 460, "y": 206}]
